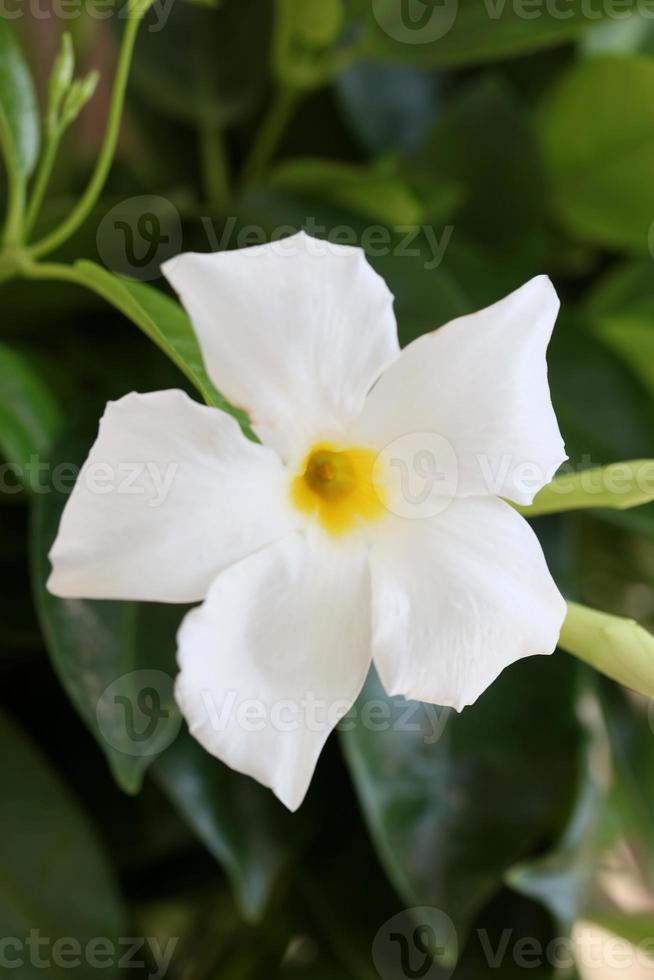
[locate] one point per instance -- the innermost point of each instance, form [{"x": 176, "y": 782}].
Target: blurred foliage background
[{"x": 467, "y": 146}]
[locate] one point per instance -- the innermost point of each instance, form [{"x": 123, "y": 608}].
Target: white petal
[
  {"x": 171, "y": 493},
  {"x": 274, "y": 658},
  {"x": 457, "y": 598},
  {"x": 480, "y": 382},
  {"x": 295, "y": 332}
]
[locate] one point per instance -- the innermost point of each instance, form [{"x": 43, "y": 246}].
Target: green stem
[
  {"x": 41, "y": 180},
  {"x": 269, "y": 135},
  {"x": 94, "y": 188},
  {"x": 214, "y": 167},
  {"x": 15, "y": 190},
  {"x": 51, "y": 270},
  {"x": 116, "y": 295}
]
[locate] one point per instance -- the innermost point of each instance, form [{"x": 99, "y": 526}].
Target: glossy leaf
[
  {"x": 29, "y": 414},
  {"x": 452, "y": 801},
  {"x": 561, "y": 879},
  {"x": 19, "y": 115},
  {"x": 55, "y": 876},
  {"x": 370, "y": 192},
  {"x": 161, "y": 319},
  {"x": 587, "y": 164},
  {"x": 241, "y": 823},
  {"x": 220, "y": 51},
  {"x": 629, "y": 725},
  {"x": 460, "y": 33},
  {"x": 116, "y": 660}
]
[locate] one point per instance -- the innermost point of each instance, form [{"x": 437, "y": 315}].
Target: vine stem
[
  {"x": 213, "y": 165},
  {"x": 15, "y": 190},
  {"x": 94, "y": 188},
  {"x": 41, "y": 181},
  {"x": 269, "y": 135}
]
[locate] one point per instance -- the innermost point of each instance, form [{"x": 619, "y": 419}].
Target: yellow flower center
[{"x": 338, "y": 487}]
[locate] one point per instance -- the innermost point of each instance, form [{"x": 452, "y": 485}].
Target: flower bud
[
  {"x": 617, "y": 647},
  {"x": 60, "y": 79},
  {"x": 79, "y": 93}
]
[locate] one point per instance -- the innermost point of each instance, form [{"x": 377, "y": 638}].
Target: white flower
[{"x": 303, "y": 549}]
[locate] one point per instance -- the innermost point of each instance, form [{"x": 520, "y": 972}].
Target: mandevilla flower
[{"x": 369, "y": 523}]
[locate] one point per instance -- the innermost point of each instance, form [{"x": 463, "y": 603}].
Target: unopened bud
[
  {"x": 79, "y": 93},
  {"x": 60, "y": 79}
]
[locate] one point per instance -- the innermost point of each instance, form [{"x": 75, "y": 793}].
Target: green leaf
[
  {"x": 220, "y": 51},
  {"x": 562, "y": 878},
  {"x": 389, "y": 108},
  {"x": 241, "y": 823},
  {"x": 116, "y": 660},
  {"x": 587, "y": 164},
  {"x": 458, "y": 33},
  {"x": 55, "y": 876},
  {"x": 629, "y": 722},
  {"x": 619, "y": 485},
  {"x": 30, "y": 417},
  {"x": 621, "y": 314},
  {"x": 483, "y": 144},
  {"x": 161, "y": 319},
  {"x": 603, "y": 413},
  {"x": 617, "y": 647},
  {"x": 383, "y": 197},
  {"x": 19, "y": 115},
  {"x": 453, "y": 801}
]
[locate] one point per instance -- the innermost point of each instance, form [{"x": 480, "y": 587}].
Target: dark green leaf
[
  {"x": 29, "y": 415},
  {"x": 55, "y": 877},
  {"x": 381, "y": 196},
  {"x": 561, "y": 879},
  {"x": 483, "y": 144},
  {"x": 220, "y": 53},
  {"x": 629, "y": 723},
  {"x": 114, "y": 659},
  {"x": 453, "y": 801},
  {"x": 455, "y": 33},
  {"x": 163, "y": 320},
  {"x": 587, "y": 164},
  {"x": 246, "y": 829}
]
